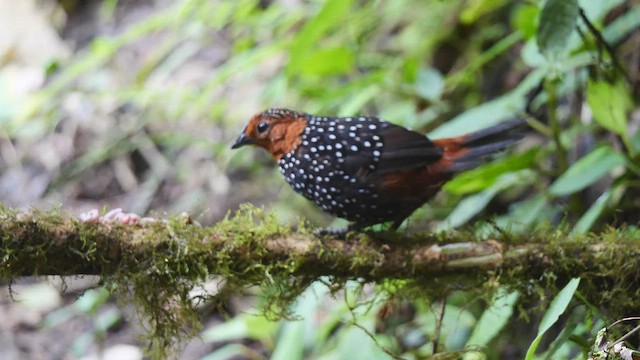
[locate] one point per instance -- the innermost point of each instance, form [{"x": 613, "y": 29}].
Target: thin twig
[
  {"x": 625, "y": 336},
  {"x": 436, "y": 336},
  {"x": 601, "y": 41}
]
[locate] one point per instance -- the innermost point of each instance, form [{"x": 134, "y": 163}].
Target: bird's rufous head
[{"x": 275, "y": 130}]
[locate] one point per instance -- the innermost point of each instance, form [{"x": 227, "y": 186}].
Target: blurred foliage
[
  {"x": 341, "y": 57},
  {"x": 91, "y": 303},
  {"x": 147, "y": 115}
]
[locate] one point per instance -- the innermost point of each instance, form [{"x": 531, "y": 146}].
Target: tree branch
[
  {"x": 54, "y": 244},
  {"x": 251, "y": 249},
  {"x": 159, "y": 263}
]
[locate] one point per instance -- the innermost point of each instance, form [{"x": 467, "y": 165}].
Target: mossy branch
[
  {"x": 49, "y": 244},
  {"x": 250, "y": 246},
  {"x": 160, "y": 262}
]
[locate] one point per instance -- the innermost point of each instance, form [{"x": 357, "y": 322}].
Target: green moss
[
  {"x": 158, "y": 269},
  {"x": 160, "y": 285}
]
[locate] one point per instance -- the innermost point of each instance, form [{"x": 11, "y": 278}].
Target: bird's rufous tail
[{"x": 470, "y": 150}]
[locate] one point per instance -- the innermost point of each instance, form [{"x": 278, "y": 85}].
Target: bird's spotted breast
[{"x": 334, "y": 162}]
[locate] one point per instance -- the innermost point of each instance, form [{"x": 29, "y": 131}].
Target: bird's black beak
[{"x": 242, "y": 140}]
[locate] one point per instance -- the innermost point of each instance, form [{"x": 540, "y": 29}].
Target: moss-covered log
[
  {"x": 52, "y": 243},
  {"x": 160, "y": 262},
  {"x": 48, "y": 244}
]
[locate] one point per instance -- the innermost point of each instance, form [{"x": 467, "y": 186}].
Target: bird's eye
[{"x": 262, "y": 127}]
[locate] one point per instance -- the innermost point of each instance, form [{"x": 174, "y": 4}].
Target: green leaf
[
  {"x": 106, "y": 320},
  {"x": 474, "y": 204},
  {"x": 490, "y": 112},
  {"x": 355, "y": 344},
  {"x": 525, "y": 213},
  {"x": 240, "y": 327},
  {"x": 587, "y": 171},
  {"x": 524, "y": 19},
  {"x": 330, "y": 16},
  {"x": 58, "y": 316},
  {"x": 563, "y": 345},
  {"x": 230, "y": 351},
  {"x": 610, "y": 104},
  {"x": 330, "y": 323},
  {"x": 596, "y": 10},
  {"x": 622, "y": 26},
  {"x": 42, "y": 297},
  {"x": 91, "y": 300},
  {"x": 486, "y": 175},
  {"x": 474, "y": 9},
  {"x": 226, "y": 331},
  {"x": 338, "y": 60},
  {"x": 410, "y": 69},
  {"x": 294, "y": 335},
  {"x": 557, "y": 307},
  {"x": 457, "y": 323},
  {"x": 468, "y": 208},
  {"x": 354, "y": 103},
  {"x": 430, "y": 84},
  {"x": 402, "y": 112},
  {"x": 590, "y": 216},
  {"x": 557, "y": 23},
  {"x": 493, "y": 319},
  {"x": 290, "y": 345}
]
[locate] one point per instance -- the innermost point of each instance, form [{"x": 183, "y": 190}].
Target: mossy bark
[
  {"x": 160, "y": 262},
  {"x": 52, "y": 243}
]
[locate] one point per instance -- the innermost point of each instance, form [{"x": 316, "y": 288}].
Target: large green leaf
[
  {"x": 474, "y": 204},
  {"x": 304, "y": 45},
  {"x": 587, "y": 171},
  {"x": 353, "y": 104},
  {"x": 486, "y": 175},
  {"x": 557, "y": 307},
  {"x": 596, "y": 10},
  {"x": 590, "y": 216},
  {"x": 337, "y": 60},
  {"x": 490, "y": 112},
  {"x": 457, "y": 322},
  {"x": 524, "y": 19},
  {"x": 290, "y": 345},
  {"x": 230, "y": 351},
  {"x": 430, "y": 84},
  {"x": 523, "y": 214},
  {"x": 622, "y": 26},
  {"x": 493, "y": 319},
  {"x": 610, "y": 104},
  {"x": 245, "y": 326},
  {"x": 557, "y": 23},
  {"x": 355, "y": 344},
  {"x": 563, "y": 346},
  {"x": 295, "y": 335},
  {"x": 474, "y": 9}
]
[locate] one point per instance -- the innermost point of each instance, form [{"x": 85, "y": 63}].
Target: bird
[{"x": 365, "y": 169}]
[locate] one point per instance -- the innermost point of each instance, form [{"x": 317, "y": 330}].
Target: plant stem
[
  {"x": 552, "y": 104},
  {"x": 575, "y": 204}
]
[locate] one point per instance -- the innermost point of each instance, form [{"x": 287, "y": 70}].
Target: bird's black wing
[
  {"x": 405, "y": 149},
  {"x": 367, "y": 145}
]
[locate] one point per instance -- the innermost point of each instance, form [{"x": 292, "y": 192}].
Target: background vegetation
[{"x": 134, "y": 104}]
